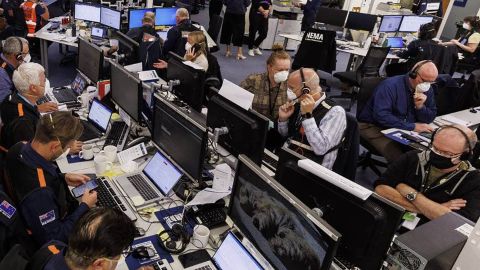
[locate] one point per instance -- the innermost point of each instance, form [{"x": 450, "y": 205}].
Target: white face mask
[
  {"x": 466, "y": 26},
  {"x": 187, "y": 46},
  {"x": 280, "y": 76},
  {"x": 423, "y": 87},
  {"x": 290, "y": 94},
  {"x": 27, "y": 58},
  {"x": 63, "y": 155}
]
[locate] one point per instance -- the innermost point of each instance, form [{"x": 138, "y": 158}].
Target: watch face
[{"x": 411, "y": 196}]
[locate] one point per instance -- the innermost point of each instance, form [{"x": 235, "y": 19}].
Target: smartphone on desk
[{"x": 91, "y": 185}]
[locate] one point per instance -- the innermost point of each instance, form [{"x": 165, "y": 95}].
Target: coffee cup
[
  {"x": 200, "y": 236},
  {"x": 102, "y": 164},
  {"x": 110, "y": 152},
  {"x": 87, "y": 152},
  {"x": 84, "y": 99}
]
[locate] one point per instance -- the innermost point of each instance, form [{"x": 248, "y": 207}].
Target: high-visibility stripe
[
  {"x": 41, "y": 178},
  {"x": 20, "y": 110},
  {"x": 53, "y": 249}
]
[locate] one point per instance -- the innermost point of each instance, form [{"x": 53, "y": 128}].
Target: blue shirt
[
  {"x": 391, "y": 106},
  {"x": 6, "y": 84}
]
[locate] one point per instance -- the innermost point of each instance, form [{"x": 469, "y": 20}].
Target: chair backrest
[
  {"x": 367, "y": 88},
  {"x": 444, "y": 57},
  {"x": 347, "y": 155},
  {"x": 372, "y": 62}
]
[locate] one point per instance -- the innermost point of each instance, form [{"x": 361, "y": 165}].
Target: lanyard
[{"x": 424, "y": 187}]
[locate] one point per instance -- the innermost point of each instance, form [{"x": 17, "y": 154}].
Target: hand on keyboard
[{"x": 47, "y": 107}]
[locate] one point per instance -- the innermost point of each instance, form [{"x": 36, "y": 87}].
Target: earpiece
[
  {"x": 305, "y": 88},
  {"x": 414, "y": 72},
  {"x": 465, "y": 155},
  {"x": 177, "y": 232},
  {"x": 19, "y": 55}
]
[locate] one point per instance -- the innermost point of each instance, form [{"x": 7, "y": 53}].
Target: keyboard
[
  {"x": 206, "y": 267},
  {"x": 117, "y": 133},
  {"x": 44, "y": 99},
  {"x": 145, "y": 190},
  {"x": 65, "y": 95},
  {"x": 212, "y": 217},
  {"x": 161, "y": 265},
  {"x": 107, "y": 197}
]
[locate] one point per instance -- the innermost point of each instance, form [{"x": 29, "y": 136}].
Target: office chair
[
  {"x": 369, "y": 67},
  {"x": 366, "y": 159}
]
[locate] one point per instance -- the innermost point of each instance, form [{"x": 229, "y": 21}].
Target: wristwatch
[
  {"x": 411, "y": 196},
  {"x": 307, "y": 115}
]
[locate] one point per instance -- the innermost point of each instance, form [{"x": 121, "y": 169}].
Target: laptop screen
[
  {"x": 78, "y": 84},
  {"x": 395, "y": 42},
  {"x": 98, "y": 32},
  {"x": 162, "y": 172},
  {"x": 233, "y": 255},
  {"x": 99, "y": 115}
]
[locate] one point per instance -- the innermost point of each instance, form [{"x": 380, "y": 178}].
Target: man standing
[{"x": 177, "y": 35}]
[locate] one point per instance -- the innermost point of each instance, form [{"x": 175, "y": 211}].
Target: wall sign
[{"x": 460, "y": 3}]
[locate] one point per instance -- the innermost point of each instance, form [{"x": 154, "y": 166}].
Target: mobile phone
[
  {"x": 78, "y": 191},
  {"x": 194, "y": 258},
  {"x": 196, "y": 47}
]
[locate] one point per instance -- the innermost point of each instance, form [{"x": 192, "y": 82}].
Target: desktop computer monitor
[
  {"x": 87, "y": 12},
  {"x": 127, "y": 91},
  {"x": 332, "y": 16},
  {"x": 412, "y": 23},
  {"x": 361, "y": 21},
  {"x": 90, "y": 60},
  {"x": 191, "y": 87},
  {"x": 110, "y": 17},
  {"x": 181, "y": 136},
  {"x": 128, "y": 47},
  {"x": 165, "y": 16},
  {"x": 390, "y": 23},
  {"x": 367, "y": 227},
  {"x": 135, "y": 17},
  {"x": 285, "y": 231},
  {"x": 247, "y": 130}
]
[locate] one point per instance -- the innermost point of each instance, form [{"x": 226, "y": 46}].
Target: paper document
[
  {"x": 137, "y": 67},
  {"x": 77, "y": 167},
  {"x": 455, "y": 120},
  {"x": 236, "y": 94},
  {"x": 208, "y": 195},
  {"x": 148, "y": 75},
  {"x": 222, "y": 178}
]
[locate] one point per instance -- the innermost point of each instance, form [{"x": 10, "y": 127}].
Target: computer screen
[
  {"x": 192, "y": 81},
  {"x": 395, "y": 42},
  {"x": 111, "y": 18},
  {"x": 184, "y": 139},
  {"x": 390, "y": 23},
  {"x": 87, "y": 12},
  {"x": 128, "y": 47},
  {"x": 127, "y": 91},
  {"x": 135, "y": 17},
  {"x": 361, "y": 21},
  {"x": 162, "y": 172},
  {"x": 165, "y": 16},
  {"x": 231, "y": 254},
  {"x": 412, "y": 23},
  {"x": 331, "y": 16},
  {"x": 99, "y": 114},
  {"x": 78, "y": 84},
  {"x": 98, "y": 32},
  {"x": 247, "y": 130},
  {"x": 367, "y": 227},
  {"x": 287, "y": 233},
  {"x": 90, "y": 60}
]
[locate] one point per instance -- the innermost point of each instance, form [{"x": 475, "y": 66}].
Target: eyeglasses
[
  {"x": 445, "y": 153},
  {"x": 423, "y": 80}
]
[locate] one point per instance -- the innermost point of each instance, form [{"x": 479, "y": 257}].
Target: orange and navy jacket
[{"x": 30, "y": 17}]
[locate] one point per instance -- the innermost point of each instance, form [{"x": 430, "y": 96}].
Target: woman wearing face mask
[
  {"x": 196, "y": 51},
  {"x": 468, "y": 42},
  {"x": 270, "y": 87}
]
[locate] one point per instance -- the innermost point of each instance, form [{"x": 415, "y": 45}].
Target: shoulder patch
[
  {"x": 47, "y": 217},
  {"x": 7, "y": 209}
]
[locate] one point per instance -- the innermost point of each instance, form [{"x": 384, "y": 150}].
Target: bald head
[
  {"x": 312, "y": 81},
  {"x": 427, "y": 72},
  {"x": 453, "y": 137},
  {"x": 181, "y": 14}
]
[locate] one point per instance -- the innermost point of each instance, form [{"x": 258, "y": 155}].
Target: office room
[{"x": 240, "y": 134}]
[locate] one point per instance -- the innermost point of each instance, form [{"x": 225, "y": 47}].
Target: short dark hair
[
  {"x": 427, "y": 31},
  {"x": 60, "y": 124},
  {"x": 474, "y": 21},
  {"x": 99, "y": 233}
]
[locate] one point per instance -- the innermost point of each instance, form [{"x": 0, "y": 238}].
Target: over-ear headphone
[
  {"x": 305, "y": 88},
  {"x": 175, "y": 234},
  {"x": 465, "y": 155},
  {"x": 427, "y": 31},
  {"x": 19, "y": 55},
  {"x": 414, "y": 72}
]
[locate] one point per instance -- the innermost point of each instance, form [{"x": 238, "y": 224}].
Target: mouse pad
[{"x": 133, "y": 263}]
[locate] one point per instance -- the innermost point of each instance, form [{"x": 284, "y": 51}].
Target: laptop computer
[
  {"x": 230, "y": 255},
  {"x": 395, "y": 42},
  {"x": 98, "y": 35},
  {"x": 152, "y": 184},
  {"x": 66, "y": 95},
  {"x": 97, "y": 121}
]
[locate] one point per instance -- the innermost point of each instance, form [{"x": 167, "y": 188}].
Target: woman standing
[
  {"x": 258, "y": 17},
  {"x": 234, "y": 26}
]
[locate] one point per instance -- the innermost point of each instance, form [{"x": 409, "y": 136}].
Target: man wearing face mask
[
  {"x": 405, "y": 102},
  {"x": 270, "y": 88},
  {"x": 437, "y": 181},
  {"x": 45, "y": 202},
  {"x": 312, "y": 122}
]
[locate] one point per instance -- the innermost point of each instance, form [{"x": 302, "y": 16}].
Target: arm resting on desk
[
  {"x": 427, "y": 207},
  {"x": 393, "y": 195}
]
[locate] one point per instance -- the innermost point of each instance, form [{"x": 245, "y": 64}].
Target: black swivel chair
[
  {"x": 369, "y": 67},
  {"x": 366, "y": 90}
]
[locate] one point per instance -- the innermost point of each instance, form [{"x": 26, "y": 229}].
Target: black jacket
[
  {"x": 176, "y": 38},
  {"x": 410, "y": 169},
  {"x": 19, "y": 120}
]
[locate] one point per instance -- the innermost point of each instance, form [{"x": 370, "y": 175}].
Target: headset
[
  {"x": 305, "y": 88},
  {"x": 19, "y": 55},
  {"x": 427, "y": 31},
  {"x": 465, "y": 155},
  {"x": 414, "y": 72},
  {"x": 170, "y": 244}
]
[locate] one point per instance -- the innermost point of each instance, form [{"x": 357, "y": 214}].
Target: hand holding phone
[{"x": 90, "y": 185}]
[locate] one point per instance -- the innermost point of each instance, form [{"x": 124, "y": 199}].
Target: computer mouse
[
  {"x": 143, "y": 252},
  {"x": 472, "y": 110}
]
